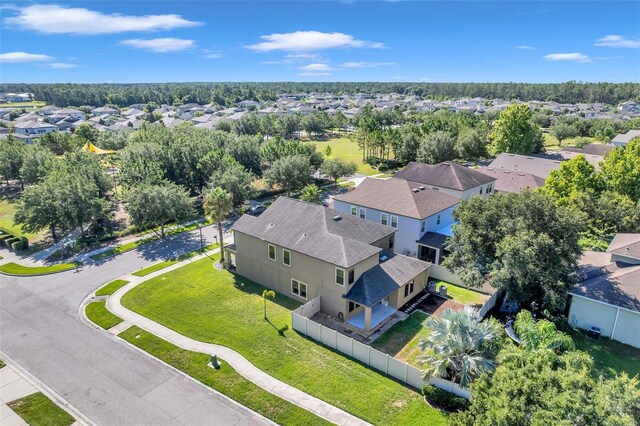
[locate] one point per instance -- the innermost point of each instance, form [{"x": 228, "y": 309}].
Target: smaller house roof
[
  {"x": 433, "y": 239},
  {"x": 393, "y": 271},
  {"x": 627, "y": 245},
  {"x": 445, "y": 175},
  {"x": 537, "y": 166},
  {"x": 624, "y": 138},
  {"x": 510, "y": 181},
  {"x": 615, "y": 284}
]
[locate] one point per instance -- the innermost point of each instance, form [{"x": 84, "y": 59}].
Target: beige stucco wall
[
  {"x": 252, "y": 261},
  {"x": 397, "y": 299}
]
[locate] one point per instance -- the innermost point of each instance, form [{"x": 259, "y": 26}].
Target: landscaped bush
[
  {"x": 9, "y": 241},
  {"x": 444, "y": 400},
  {"x": 4, "y": 237},
  {"x": 21, "y": 244}
]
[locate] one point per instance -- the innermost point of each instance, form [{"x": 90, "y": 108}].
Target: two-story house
[
  {"x": 450, "y": 178},
  {"x": 305, "y": 250},
  {"x": 421, "y": 216},
  {"x": 34, "y": 128}
]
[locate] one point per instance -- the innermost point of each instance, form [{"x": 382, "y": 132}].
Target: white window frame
[
  {"x": 489, "y": 188},
  {"x": 362, "y": 213},
  {"x": 354, "y": 211},
  {"x": 344, "y": 276},
  {"x": 481, "y": 188},
  {"x": 384, "y": 219},
  {"x": 423, "y": 226},
  {"x": 284, "y": 257},
  {"x": 300, "y": 284},
  {"x": 275, "y": 255},
  {"x": 394, "y": 218}
]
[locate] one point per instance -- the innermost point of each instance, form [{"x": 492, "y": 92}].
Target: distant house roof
[
  {"x": 393, "y": 272},
  {"x": 627, "y": 245},
  {"x": 445, "y": 175},
  {"x": 510, "y": 181},
  {"x": 614, "y": 283},
  {"x": 34, "y": 125},
  {"x": 600, "y": 149},
  {"x": 316, "y": 231},
  {"x": 433, "y": 239},
  {"x": 537, "y": 166},
  {"x": 624, "y": 138},
  {"x": 400, "y": 197}
]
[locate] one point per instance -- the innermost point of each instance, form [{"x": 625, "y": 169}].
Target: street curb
[{"x": 50, "y": 393}]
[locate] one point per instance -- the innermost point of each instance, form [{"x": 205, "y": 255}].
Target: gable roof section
[
  {"x": 615, "y": 284},
  {"x": 397, "y": 196},
  {"x": 627, "y": 245},
  {"x": 537, "y": 166},
  {"x": 312, "y": 230},
  {"x": 446, "y": 175},
  {"x": 510, "y": 181}
]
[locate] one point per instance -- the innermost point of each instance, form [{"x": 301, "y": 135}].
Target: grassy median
[
  {"x": 15, "y": 269},
  {"x": 38, "y": 410},
  {"x": 98, "y": 313}
]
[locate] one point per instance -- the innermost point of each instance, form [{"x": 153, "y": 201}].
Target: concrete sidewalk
[{"x": 237, "y": 361}]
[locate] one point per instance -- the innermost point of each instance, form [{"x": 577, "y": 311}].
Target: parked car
[{"x": 256, "y": 210}]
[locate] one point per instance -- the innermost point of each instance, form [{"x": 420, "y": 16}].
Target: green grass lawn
[
  {"x": 347, "y": 150},
  {"x": 225, "y": 380},
  {"x": 15, "y": 269},
  {"x": 215, "y": 306},
  {"x": 7, "y": 210},
  {"x": 610, "y": 357},
  {"x": 111, "y": 288},
  {"x": 551, "y": 143},
  {"x": 158, "y": 266},
  {"x": 98, "y": 313},
  {"x": 37, "y": 104},
  {"x": 401, "y": 340},
  {"x": 38, "y": 410},
  {"x": 463, "y": 295}
]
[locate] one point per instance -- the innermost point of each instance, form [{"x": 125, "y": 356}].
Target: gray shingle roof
[
  {"x": 383, "y": 279},
  {"x": 446, "y": 175},
  {"x": 312, "y": 230},
  {"x": 397, "y": 196},
  {"x": 626, "y": 245},
  {"x": 615, "y": 284},
  {"x": 510, "y": 181},
  {"x": 537, "y": 166},
  {"x": 433, "y": 239}
]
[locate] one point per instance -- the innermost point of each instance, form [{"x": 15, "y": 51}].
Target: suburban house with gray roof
[
  {"x": 536, "y": 166},
  {"x": 451, "y": 178},
  {"x": 514, "y": 182},
  {"x": 607, "y": 295},
  {"x": 422, "y": 216},
  {"x": 305, "y": 250},
  {"x": 624, "y": 138}
]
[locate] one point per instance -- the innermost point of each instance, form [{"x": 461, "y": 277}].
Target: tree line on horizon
[{"x": 225, "y": 94}]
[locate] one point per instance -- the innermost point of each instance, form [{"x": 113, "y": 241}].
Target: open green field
[
  {"x": 225, "y": 380},
  {"x": 347, "y": 150},
  {"x": 610, "y": 357},
  {"x": 215, "y": 306},
  {"x": 551, "y": 143},
  {"x": 38, "y": 410},
  {"x": 98, "y": 313},
  {"x": 15, "y": 269},
  {"x": 401, "y": 340},
  {"x": 7, "y": 210},
  {"x": 37, "y": 104}
]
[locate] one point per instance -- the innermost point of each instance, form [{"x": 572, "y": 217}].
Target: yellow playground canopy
[{"x": 89, "y": 147}]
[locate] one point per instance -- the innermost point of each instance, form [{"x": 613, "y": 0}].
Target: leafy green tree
[
  {"x": 541, "y": 334},
  {"x": 40, "y": 207},
  {"x": 217, "y": 203},
  {"x": 614, "y": 212},
  {"x": 11, "y": 158},
  {"x": 86, "y": 132},
  {"x": 337, "y": 168},
  {"x": 327, "y": 151},
  {"x": 514, "y": 132},
  {"x": 437, "y": 147},
  {"x": 621, "y": 170},
  {"x": 58, "y": 142},
  {"x": 564, "y": 131},
  {"x": 278, "y": 148},
  {"x": 156, "y": 205},
  {"x": 470, "y": 146},
  {"x": 311, "y": 194},
  {"x": 542, "y": 120},
  {"x": 291, "y": 173},
  {"x": 36, "y": 164},
  {"x": 521, "y": 243},
  {"x": 234, "y": 179},
  {"x": 572, "y": 176},
  {"x": 460, "y": 346},
  {"x": 115, "y": 140}
]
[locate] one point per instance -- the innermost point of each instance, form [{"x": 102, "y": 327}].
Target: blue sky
[{"x": 452, "y": 41}]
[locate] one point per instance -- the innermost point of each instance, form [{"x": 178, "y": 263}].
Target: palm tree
[
  {"x": 311, "y": 194},
  {"x": 217, "y": 203},
  {"x": 460, "y": 346},
  {"x": 265, "y": 294}
]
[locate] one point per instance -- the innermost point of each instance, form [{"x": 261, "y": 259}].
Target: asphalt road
[{"x": 105, "y": 379}]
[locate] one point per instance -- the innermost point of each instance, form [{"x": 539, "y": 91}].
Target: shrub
[
  {"x": 444, "y": 400},
  {"x": 19, "y": 245},
  {"x": 9, "y": 241},
  {"x": 4, "y": 237}
]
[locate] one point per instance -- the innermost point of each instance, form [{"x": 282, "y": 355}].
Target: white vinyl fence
[{"x": 364, "y": 353}]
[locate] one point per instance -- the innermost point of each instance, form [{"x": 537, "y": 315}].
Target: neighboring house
[
  {"x": 25, "y": 138},
  {"x": 514, "y": 182},
  {"x": 450, "y": 178},
  {"x": 305, "y": 250},
  {"x": 104, "y": 111},
  {"x": 624, "y": 138},
  {"x": 608, "y": 293},
  {"x": 34, "y": 128},
  {"x": 421, "y": 216},
  {"x": 77, "y": 114},
  {"x": 597, "y": 149},
  {"x": 629, "y": 106},
  {"x": 537, "y": 166}
]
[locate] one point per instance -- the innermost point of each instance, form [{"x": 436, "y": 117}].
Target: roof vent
[
  {"x": 507, "y": 171},
  {"x": 421, "y": 188},
  {"x": 415, "y": 190},
  {"x": 520, "y": 174},
  {"x": 383, "y": 258},
  {"x": 337, "y": 217}
]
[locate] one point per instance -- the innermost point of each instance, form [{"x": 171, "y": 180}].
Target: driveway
[{"x": 105, "y": 379}]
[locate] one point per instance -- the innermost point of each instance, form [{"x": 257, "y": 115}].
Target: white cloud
[
  {"x": 300, "y": 41},
  {"x": 366, "y": 64},
  {"x": 314, "y": 74},
  {"x": 315, "y": 56},
  {"x": 316, "y": 67},
  {"x": 55, "y": 19},
  {"x": 525, "y": 47},
  {"x": 212, "y": 55},
  {"x": 160, "y": 45},
  {"x": 617, "y": 41},
  {"x": 427, "y": 79},
  {"x": 14, "y": 57},
  {"x": 61, "y": 65},
  {"x": 572, "y": 57}
]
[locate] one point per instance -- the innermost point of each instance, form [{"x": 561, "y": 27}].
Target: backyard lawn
[
  {"x": 215, "y": 306},
  {"x": 550, "y": 141},
  {"x": 7, "y": 209},
  {"x": 610, "y": 357},
  {"x": 347, "y": 150},
  {"x": 38, "y": 410},
  {"x": 401, "y": 340}
]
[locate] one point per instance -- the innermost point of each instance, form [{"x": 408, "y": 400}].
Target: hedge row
[
  {"x": 445, "y": 400},
  {"x": 16, "y": 243}
]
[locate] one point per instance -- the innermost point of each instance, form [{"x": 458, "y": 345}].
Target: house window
[
  {"x": 384, "y": 219},
  {"x": 352, "y": 276},
  {"x": 438, "y": 220},
  {"x": 394, "y": 222},
  {"x": 339, "y": 276},
  {"x": 481, "y": 190},
  {"x": 408, "y": 289},
  {"x": 489, "y": 189},
  {"x": 353, "y": 306},
  {"x": 422, "y": 226},
  {"x": 272, "y": 252},
  {"x": 363, "y": 213},
  {"x": 391, "y": 243},
  {"x": 286, "y": 257},
  {"x": 299, "y": 289},
  {"x": 354, "y": 210}
]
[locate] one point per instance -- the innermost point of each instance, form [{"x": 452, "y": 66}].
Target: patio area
[{"x": 379, "y": 313}]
